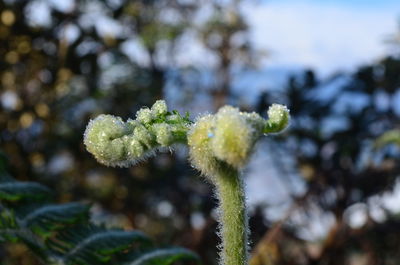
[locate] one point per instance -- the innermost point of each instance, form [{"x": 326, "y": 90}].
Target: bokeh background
[{"x": 325, "y": 192}]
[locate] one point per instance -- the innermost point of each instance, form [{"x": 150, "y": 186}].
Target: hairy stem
[{"x": 233, "y": 219}]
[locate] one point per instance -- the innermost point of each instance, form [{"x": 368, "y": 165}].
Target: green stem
[{"x": 233, "y": 217}]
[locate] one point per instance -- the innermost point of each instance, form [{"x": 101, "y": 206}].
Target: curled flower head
[
  {"x": 234, "y": 136},
  {"x": 114, "y": 142},
  {"x": 103, "y": 138},
  {"x": 229, "y": 136}
]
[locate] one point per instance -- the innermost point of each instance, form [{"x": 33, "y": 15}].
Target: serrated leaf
[
  {"x": 15, "y": 191},
  {"x": 55, "y": 233},
  {"x": 164, "y": 257},
  {"x": 93, "y": 245},
  {"x": 48, "y": 218}
]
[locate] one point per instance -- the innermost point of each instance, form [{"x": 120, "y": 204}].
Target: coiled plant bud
[
  {"x": 233, "y": 136},
  {"x": 229, "y": 135},
  {"x": 103, "y": 139},
  {"x": 114, "y": 142},
  {"x": 219, "y": 145}
]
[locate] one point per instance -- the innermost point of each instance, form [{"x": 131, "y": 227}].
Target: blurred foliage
[
  {"x": 389, "y": 137},
  {"x": 340, "y": 138},
  {"x": 65, "y": 62},
  {"x": 62, "y": 65},
  {"x": 63, "y": 233}
]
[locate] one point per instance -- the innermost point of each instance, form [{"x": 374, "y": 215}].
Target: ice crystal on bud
[
  {"x": 163, "y": 134},
  {"x": 278, "y": 118},
  {"x": 159, "y": 108},
  {"x": 144, "y": 115}
]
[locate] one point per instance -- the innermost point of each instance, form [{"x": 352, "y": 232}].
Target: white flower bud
[
  {"x": 159, "y": 108},
  {"x": 278, "y": 118},
  {"x": 144, "y": 115},
  {"x": 163, "y": 132},
  {"x": 102, "y": 138},
  {"x": 233, "y": 138},
  {"x": 133, "y": 147},
  {"x": 144, "y": 136}
]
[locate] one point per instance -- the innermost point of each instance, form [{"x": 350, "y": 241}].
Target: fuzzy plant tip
[
  {"x": 114, "y": 142},
  {"x": 219, "y": 146},
  {"x": 229, "y": 136},
  {"x": 279, "y": 118},
  {"x": 226, "y": 137}
]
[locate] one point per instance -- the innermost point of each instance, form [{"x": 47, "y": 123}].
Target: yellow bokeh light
[
  {"x": 26, "y": 119},
  {"x": 12, "y": 57},
  {"x": 7, "y": 17},
  {"x": 24, "y": 47},
  {"x": 64, "y": 74},
  {"x": 36, "y": 159},
  {"x": 8, "y": 79},
  {"x": 42, "y": 110}
]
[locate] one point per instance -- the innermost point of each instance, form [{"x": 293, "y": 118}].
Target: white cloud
[{"x": 318, "y": 35}]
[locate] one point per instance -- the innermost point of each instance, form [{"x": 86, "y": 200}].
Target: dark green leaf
[
  {"x": 15, "y": 191},
  {"x": 48, "y": 218}
]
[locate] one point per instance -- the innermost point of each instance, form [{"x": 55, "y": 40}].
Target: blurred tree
[
  {"x": 332, "y": 138},
  {"x": 64, "y": 62}
]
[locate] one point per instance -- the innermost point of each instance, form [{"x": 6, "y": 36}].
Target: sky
[{"x": 326, "y": 35}]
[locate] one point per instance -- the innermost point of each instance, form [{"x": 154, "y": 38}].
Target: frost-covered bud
[
  {"x": 117, "y": 143},
  {"x": 278, "y": 118},
  {"x": 233, "y": 136},
  {"x": 134, "y": 148},
  {"x": 132, "y": 124},
  {"x": 144, "y": 115},
  {"x": 229, "y": 136},
  {"x": 159, "y": 108},
  {"x": 102, "y": 139},
  {"x": 163, "y": 134},
  {"x": 200, "y": 152},
  {"x": 144, "y": 136}
]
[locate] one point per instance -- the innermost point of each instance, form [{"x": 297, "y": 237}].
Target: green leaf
[
  {"x": 389, "y": 137},
  {"x": 15, "y": 191},
  {"x": 92, "y": 244},
  {"x": 60, "y": 233},
  {"x": 164, "y": 257},
  {"x": 8, "y": 226},
  {"x": 48, "y": 218}
]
